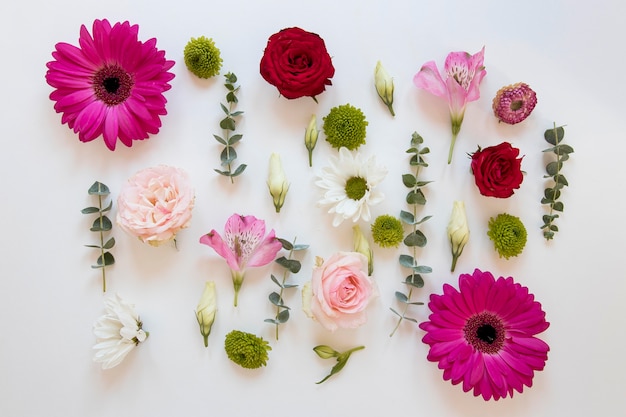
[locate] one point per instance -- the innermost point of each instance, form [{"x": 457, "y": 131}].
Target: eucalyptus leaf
[
  {"x": 108, "y": 207},
  {"x": 228, "y": 155},
  {"x": 108, "y": 259},
  {"x": 236, "y": 113},
  {"x": 401, "y": 297},
  {"x": 558, "y": 206},
  {"x": 416, "y": 197},
  {"x": 424, "y": 151},
  {"x": 414, "y": 280},
  {"x": 287, "y": 245},
  {"x": 239, "y": 170},
  {"x": 407, "y": 217},
  {"x": 220, "y": 140},
  {"x": 553, "y": 168},
  {"x": 89, "y": 210},
  {"x": 97, "y": 188},
  {"x": 273, "y": 278},
  {"x": 292, "y": 265},
  {"x": 283, "y": 316},
  {"x": 554, "y": 136},
  {"x": 563, "y": 149},
  {"x": 300, "y": 247},
  {"x": 560, "y": 179},
  {"x": 409, "y": 180},
  {"x": 410, "y": 319},
  {"x": 234, "y": 139},
  {"x": 395, "y": 312},
  {"x": 109, "y": 244},
  {"x": 225, "y": 109},
  {"x": 231, "y": 97},
  {"x": 101, "y": 224},
  {"x": 276, "y": 299},
  {"x": 227, "y": 123},
  {"x": 415, "y": 238},
  {"x": 407, "y": 261},
  {"x": 273, "y": 321}
]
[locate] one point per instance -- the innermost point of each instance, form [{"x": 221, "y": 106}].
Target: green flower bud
[
  {"x": 205, "y": 312},
  {"x": 458, "y": 231},
  {"x": 325, "y": 352},
  {"x": 361, "y": 245},
  {"x": 508, "y": 235},
  {"x": 277, "y": 181},
  {"x": 202, "y": 57},
  {"x": 310, "y": 137},
  {"x": 345, "y": 126},
  {"x": 384, "y": 86},
  {"x": 387, "y": 231},
  {"x": 246, "y": 349}
]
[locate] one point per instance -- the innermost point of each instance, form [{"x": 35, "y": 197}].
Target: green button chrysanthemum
[
  {"x": 387, "y": 231},
  {"x": 202, "y": 57},
  {"x": 246, "y": 349},
  {"x": 344, "y": 126},
  {"x": 508, "y": 235}
]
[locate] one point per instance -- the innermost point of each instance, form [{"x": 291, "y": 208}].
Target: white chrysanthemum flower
[
  {"x": 350, "y": 183},
  {"x": 117, "y": 332}
]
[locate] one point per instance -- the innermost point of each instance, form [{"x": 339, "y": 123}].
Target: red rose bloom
[
  {"x": 297, "y": 63},
  {"x": 497, "y": 170}
]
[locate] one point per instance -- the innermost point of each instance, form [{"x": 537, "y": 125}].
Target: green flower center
[
  {"x": 516, "y": 105},
  {"x": 112, "y": 85},
  {"x": 356, "y": 187},
  {"x": 485, "y": 332}
]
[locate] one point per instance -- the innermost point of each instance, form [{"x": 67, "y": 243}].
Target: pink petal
[
  {"x": 266, "y": 251},
  {"x": 429, "y": 79},
  {"x": 214, "y": 240}
]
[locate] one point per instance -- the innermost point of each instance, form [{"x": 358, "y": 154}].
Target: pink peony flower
[
  {"x": 112, "y": 85},
  {"x": 463, "y": 74},
  {"x": 155, "y": 204},
  {"x": 244, "y": 245},
  {"x": 483, "y": 335},
  {"x": 340, "y": 291}
]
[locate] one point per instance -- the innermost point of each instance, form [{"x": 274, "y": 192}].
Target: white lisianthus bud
[
  {"x": 458, "y": 231},
  {"x": 205, "y": 312},
  {"x": 384, "y": 86},
  {"x": 362, "y": 246},
  {"x": 277, "y": 181},
  {"x": 310, "y": 137}
]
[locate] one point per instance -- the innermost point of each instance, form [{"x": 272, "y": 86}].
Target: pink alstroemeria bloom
[
  {"x": 463, "y": 74},
  {"x": 244, "y": 245}
]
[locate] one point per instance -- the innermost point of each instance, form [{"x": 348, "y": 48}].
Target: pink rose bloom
[
  {"x": 339, "y": 292},
  {"x": 155, "y": 204}
]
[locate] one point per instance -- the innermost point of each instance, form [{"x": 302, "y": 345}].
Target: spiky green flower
[
  {"x": 202, "y": 57},
  {"x": 246, "y": 349},
  {"x": 344, "y": 126},
  {"x": 387, "y": 231},
  {"x": 508, "y": 235}
]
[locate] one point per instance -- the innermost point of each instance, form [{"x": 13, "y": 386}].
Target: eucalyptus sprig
[
  {"x": 416, "y": 238},
  {"x": 276, "y": 298},
  {"x": 326, "y": 352},
  {"x": 101, "y": 225},
  {"x": 229, "y": 154},
  {"x": 551, "y": 195}
]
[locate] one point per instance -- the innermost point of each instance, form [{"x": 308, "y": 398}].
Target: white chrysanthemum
[
  {"x": 350, "y": 183},
  {"x": 117, "y": 332}
]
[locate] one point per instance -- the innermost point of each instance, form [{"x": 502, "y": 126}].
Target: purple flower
[
  {"x": 483, "y": 335},
  {"x": 463, "y": 73},
  {"x": 244, "y": 245}
]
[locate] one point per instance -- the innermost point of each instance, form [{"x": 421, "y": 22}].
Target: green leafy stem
[
  {"x": 276, "y": 298},
  {"x": 228, "y": 124},
  {"x": 101, "y": 225},
  {"x": 552, "y": 194},
  {"x": 416, "y": 238},
  {"x": 326, "y": 352}
]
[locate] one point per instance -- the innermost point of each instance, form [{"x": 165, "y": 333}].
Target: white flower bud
[
  {"x": 310, "y": 137},
  {"x": 384, "y": 86},
  {"x": 277, "y": 181},
  {"x": 362, "y": 246},
  {"x": 458, "y": 231},
  {"x": 205, "y": 312}
]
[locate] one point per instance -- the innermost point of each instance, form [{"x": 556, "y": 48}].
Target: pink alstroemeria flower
[
  {"x": 244, "y": 245},
  {"x": 463, "y": 74}
]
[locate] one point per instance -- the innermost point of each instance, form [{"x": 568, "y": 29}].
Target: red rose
[
  {"x": 297, "y": 63},
  {"x": 497, "y": 170}
]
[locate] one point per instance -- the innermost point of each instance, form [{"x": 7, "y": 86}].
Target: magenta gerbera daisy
[
  {"x": 112, "y": 85},
  {"x": 483, "y": 335},
  {"x": 514, "y": 103}
]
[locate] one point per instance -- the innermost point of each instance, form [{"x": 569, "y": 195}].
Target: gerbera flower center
[
  {"x": 356, "y": 187},
  {"x": 516, "y": 105},
  {"x": 112, "y": 84},
  {"x": 485, "y": 332}
]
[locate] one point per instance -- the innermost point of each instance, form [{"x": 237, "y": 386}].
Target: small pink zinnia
[
  {"x": 112, "y": 85},
  {"x": 244, "y": 245},
  {"x": 483, "y": 335}
]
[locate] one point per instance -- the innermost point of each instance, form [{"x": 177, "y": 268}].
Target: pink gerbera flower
[
  {"x": 112, "y": 85},
  {"x": 484, "y": 335},
  {"x": 244, "y": 245}
]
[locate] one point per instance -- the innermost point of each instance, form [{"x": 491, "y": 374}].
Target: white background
[{"x": 572, "y": 54}]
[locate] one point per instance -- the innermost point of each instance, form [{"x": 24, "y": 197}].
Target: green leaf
[
  {"x": 553, "y": 168},
  {"x": 415, "y": 238},
  {"x": 239, "y": 170},
  {"x": 554, "y": 228},
  {"x": 401, "y": 297},
  {"x": 422, "y": 183},
  {"x": 552, "y": 194},
  {"x": 108, "y": 208},
  {"x": 93, "y": 246},
  {"x": 414, "y": 280},
  {"x": 287, "y": 245},
  {"x": 109, "y": 244},
  {"x": 273, "y": 321},
  {"x": 554, "y": 136},
  {"x": 229, "y": 86},
  {"x": 558, "y": 206},
  {"x": 97, "y": 188},
  {"x": 300, "y": 247},
  {"x": 412, "y": 150},
  {"x": 563, "y": 149},
  {"x": 105, "y": 226},
  {"x": 228, "y": 155},
  {"x": 407, "y": 217},
  {"x": 407, "y": 261},
  {"x": 422, "y": 269},
  {"x": 220, "y": 140},
  {"x": 416, "y": 197},
  {"x": 225, "y": 173},
  {"x": 292, "y": 265},
  {"x": 416, "y": 139},
  {"x": 225, "y": 109},
  {"x": 227, "y": 123},
  {"x": 283, "y": 316},
  {"x": 395, "y": 312},
  {"x": 273, "y": 278},
  {"x": 425, "y": 151},
  {"x": 236, "y": 113},
  {"x": 108, "y": 259},
  {"x": 409, "y": 180},
  {"x": 231, "y": 97},
  {"x": 234, "y": 139},
  {"x": 89, "y": 210},
  {"x": 230, "y": 77},
  {"x": 560, "y": 179},
  {"x": 276, "y": 299}
]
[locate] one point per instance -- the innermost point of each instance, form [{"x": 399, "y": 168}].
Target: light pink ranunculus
[
  {"x": 155, "y": 204},
  {"x": 340, "y": 291}
]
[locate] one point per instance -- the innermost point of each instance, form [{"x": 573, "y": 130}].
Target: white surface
[{"x": 572, "y": 55}]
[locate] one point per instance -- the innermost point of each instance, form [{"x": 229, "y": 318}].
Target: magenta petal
[
  {"x": 266, "y": 251},
  {"x": 429, "y": 79},
  {"x": 214, "y": 240}
]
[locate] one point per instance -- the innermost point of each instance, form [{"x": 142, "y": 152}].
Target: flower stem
[
  {"x": 454, "y": 134},
  {"x": 104, "y": 280}
]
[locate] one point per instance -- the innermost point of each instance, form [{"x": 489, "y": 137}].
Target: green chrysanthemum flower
[
  {"x": 387, "y": 231},
  {"x": 202, "y": 57},
  {"x": 345, "y": 127},
  {"x": 246, "y": 349},
  {"x": 508, "y": 235}
]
